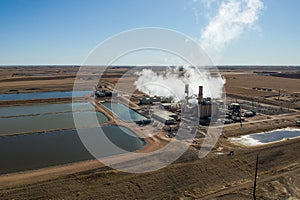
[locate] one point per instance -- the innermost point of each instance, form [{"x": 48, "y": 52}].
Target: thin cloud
[{"x": 232, "y": 19}]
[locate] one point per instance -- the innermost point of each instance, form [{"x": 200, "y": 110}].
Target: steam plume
[
  {"x": 172, "y": 83},
  {"x": 232, "y": 19}
]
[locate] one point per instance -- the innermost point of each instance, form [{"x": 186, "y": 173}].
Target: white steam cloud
[
  {"x": 232, "y": 19},
  {"x": 172, "y": 83}
]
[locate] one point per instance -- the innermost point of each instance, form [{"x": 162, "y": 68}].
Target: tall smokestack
[
  {"x": 186, "y": 91},
  {"x": 200, "y": 94}
]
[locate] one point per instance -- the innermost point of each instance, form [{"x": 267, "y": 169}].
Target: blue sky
[{"x": 65, "y": 31}]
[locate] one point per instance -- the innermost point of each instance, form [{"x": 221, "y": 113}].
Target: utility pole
[{"x": 254, "y": 187}]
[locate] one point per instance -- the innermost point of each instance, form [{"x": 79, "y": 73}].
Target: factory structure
[
  {"x": 194, "y": 108},
  {"x": 166, "y": 117},
  {"x": 169, "y": 114},
  {"x": 208, "y": 108},
  {"x": 104, "y": 93}
]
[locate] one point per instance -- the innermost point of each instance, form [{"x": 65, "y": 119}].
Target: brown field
[
  {"x": 254, "y": 86},
  {"x": 213, "y": 177}
]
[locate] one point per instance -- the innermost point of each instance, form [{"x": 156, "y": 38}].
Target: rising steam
[
  {"x": 232, "y": 19},
  {"x": 172, "y": 83}
]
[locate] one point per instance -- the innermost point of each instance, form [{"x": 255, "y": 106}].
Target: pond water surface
[
  {"x": 38, "y": 150},
  {"x": 36, "y": 109},
  {"x": 43, "y": 95},
  {"x": 43, "y": 117},
  {"x": 123, "y": 112}
]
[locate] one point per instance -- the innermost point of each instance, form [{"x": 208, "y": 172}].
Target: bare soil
[{"x": 213, "y": 177}]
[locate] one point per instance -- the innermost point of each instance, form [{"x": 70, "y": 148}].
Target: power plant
[{"x": 206, "y": 109}]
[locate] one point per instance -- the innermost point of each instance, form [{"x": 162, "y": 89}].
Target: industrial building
[
  {"x": 104, "y": 93},
  {"x": 205, "y": 110},
  {"x": 149, "y": 100},
  {"x": 144, "y": 122},
  {"x": 155, "y": 99},
  {"x": 171, "y": 106},
  {"x": 166, "y": 117},
  {"x": 208, "y": 107}
]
